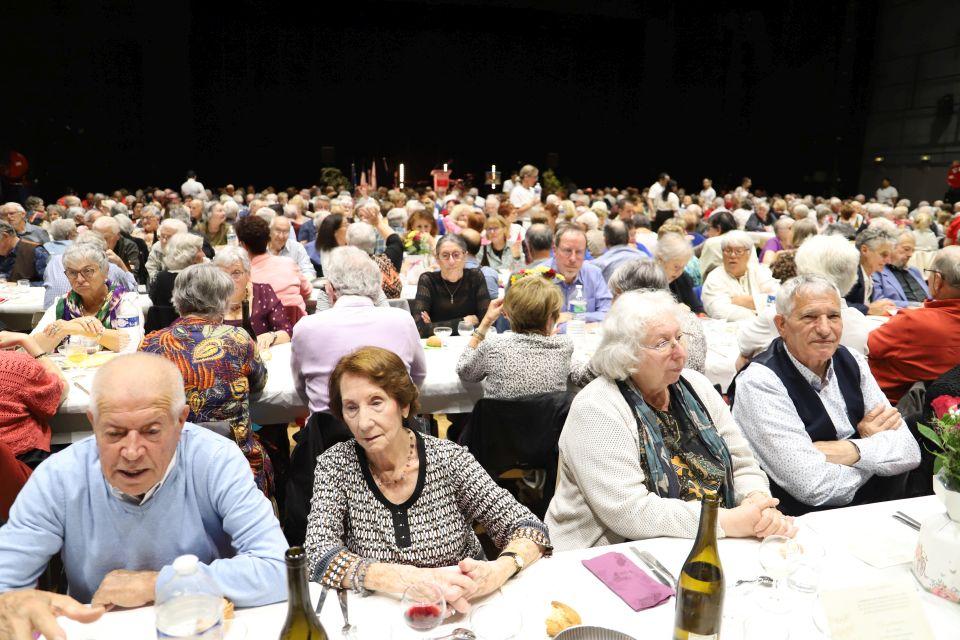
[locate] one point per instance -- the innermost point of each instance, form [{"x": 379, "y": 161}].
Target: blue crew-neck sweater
[{"x": 208, "y": 505}]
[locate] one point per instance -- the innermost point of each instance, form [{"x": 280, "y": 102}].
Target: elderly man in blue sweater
[{"x": 122, "y": 505}]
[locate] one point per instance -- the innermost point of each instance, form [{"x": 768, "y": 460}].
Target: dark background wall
[
  {"x": 111, "y": 94},
  {"x": 915, "y": 89}
]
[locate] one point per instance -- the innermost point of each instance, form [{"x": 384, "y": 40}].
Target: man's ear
[{"x": 780, "y": 322}]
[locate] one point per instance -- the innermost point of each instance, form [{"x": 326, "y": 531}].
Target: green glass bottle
[
  {"x": 700, "y": 587},
  {"x": 302, "y": 622}
]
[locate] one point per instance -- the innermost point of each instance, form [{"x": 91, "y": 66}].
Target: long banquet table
[{"x": 564, "y": 578}]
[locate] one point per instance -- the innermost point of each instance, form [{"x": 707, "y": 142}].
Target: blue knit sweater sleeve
[{"x": 256, "y": 574}]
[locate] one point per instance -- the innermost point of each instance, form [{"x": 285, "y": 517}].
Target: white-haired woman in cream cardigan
[{"x": 645, "y": 440}]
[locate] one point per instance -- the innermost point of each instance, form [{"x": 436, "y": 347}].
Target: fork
[{"x": 347, "y": 629}]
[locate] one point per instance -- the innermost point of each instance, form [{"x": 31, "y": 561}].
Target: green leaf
[
  {"x": 937, "y": 465},
  {"x": 930, "y": 434}
]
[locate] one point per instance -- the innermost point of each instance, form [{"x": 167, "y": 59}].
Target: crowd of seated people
[{"x": 840, "y": 307}]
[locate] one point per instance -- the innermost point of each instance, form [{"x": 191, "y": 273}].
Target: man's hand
[
  {"x": 879, "y": 419},
  {"x": 745, "y": 301},
  {"x": 22, "y": 613},
  {"x": 565, "y": 316},
  {"x": 880, "y": 307},
  {"x": 127, "y": 589},
  {"x": 839, "y": 451}
]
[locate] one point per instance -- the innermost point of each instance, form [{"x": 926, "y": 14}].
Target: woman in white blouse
[
  {"x": 523, "y": 196},
  {"x": 730, "y": 293},
  {"x": 666, "y": 204}
]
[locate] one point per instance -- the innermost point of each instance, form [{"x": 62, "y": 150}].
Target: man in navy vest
[{"x": 816, "y": 418}]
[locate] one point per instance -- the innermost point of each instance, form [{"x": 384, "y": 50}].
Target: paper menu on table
[
  {"x": 886, "y": 611},
  {"x": 886, "y": 548}
]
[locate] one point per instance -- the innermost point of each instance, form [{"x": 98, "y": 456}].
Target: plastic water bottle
[
  {"x": 578, "y": 307},
  {"x": 128, "y": 312},
  {"x": 232, "y": 237},
  {"x": 189, "y": 605}
]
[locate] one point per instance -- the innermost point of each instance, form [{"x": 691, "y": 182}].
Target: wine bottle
[
  {"x": 700, "y": 587},
  {"x": 302, "y": 622}
]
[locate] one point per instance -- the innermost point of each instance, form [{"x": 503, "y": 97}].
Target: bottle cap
[{"x": 185, "y": 565}]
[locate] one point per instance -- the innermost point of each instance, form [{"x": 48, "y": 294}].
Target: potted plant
[{"x": 937, "y": 560}]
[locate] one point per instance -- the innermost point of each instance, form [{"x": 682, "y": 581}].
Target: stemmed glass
[
  {"x": 779, "y": 556},
  {"x": 423, "y": 606},
  {"x": 464, "y": 328},
  {"x": 443, "y": 333}
]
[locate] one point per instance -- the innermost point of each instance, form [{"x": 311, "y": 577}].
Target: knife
[
  {"x": 323, "y": 596},
  {"x": 661, "y": 577}
]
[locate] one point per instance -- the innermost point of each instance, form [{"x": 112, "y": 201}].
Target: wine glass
[
  {"x": 423, "y": 606},
  {"x": 464, "y": 328},
  {"x": 443, "y": 333},
  {"x": 780, "y": 556}
]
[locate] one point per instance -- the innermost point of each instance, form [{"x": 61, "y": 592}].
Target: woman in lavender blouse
[{"x": 254, "y": 307}]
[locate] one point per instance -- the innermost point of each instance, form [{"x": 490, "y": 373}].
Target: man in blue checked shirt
[{"x": 568, "y": 261}]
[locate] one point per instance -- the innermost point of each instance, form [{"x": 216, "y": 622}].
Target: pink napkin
[{"x": 628, "y": 581}]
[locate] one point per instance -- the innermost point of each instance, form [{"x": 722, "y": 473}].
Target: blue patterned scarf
[{"x": 661, "y": 477}]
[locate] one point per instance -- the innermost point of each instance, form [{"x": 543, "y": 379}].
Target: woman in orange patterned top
[{"x": 220, "y": 364}]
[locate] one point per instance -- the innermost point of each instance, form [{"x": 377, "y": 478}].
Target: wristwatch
[{"x": 517, "y": 560}]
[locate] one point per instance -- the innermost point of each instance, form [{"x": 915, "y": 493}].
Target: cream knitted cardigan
[{"x": 601, "y": 497}]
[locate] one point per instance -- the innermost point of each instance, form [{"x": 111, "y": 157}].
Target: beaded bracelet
[
  {"x": 333, "y": 576},
  {"x": 359, "y": 582}
]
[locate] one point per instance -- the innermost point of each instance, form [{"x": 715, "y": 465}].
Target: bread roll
[
  {"x": 434, "y": 341},
  {"x": 561, "y": 616}
]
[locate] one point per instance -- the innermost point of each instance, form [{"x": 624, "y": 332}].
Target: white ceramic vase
[{"x": 936, "y": 563}]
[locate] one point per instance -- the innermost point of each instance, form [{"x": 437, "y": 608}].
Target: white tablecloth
[{"x": 564, "y": 578}]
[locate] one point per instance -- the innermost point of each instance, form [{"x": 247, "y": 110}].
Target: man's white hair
[
  {"x": 351, "y": 272},
  {"x": 832, "y": 257},
  {"x": 809, "y": 283}
]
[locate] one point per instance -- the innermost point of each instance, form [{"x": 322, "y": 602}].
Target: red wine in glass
[{"x": 423, "y": 617}]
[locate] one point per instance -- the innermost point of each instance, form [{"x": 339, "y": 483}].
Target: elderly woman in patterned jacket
[{"x": 394, "y": 507}]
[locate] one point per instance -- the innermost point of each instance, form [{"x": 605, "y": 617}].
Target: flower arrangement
[
  {"x": 418, "y": 243},
  {"x": 544, "y": 272},
  {"x": 945, "y": 435}
]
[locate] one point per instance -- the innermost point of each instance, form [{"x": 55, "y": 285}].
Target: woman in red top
[{"x": 32, "y": 387}]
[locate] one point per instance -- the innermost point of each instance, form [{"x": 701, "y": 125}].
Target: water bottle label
[
  {"x": 579, "y": 307},
  {"x": 126, "y": 322}
]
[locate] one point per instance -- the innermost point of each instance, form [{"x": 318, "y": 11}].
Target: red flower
[
  {"x": 551, "y": 274},
  {"x": 942, "y": 404}
]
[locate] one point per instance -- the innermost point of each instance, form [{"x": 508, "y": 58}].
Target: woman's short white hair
[
  {"x": 832, "y": 257},
  {"x": 783, "y": 222},
  {"x": 351, "y": 272},
  {"x": 735, "y": 238},
  {"x": 181, "y": 251},
  {"x": 178, "y": 226},
  {"x": 229, "y": 255},
  {"x": 123, "y": 220},
  {"x": 625, "y": 330},
  {"x": 62, "y": 229},
  {"x": 397, "y": 215},
  {"x": 672, "y": 246},
  {"x": 85, "y": 250},
  {"x": 800, "y": 211},
  {"x": 362, "y": 236},
  {"x": 590, "y": 220},
  {"x": 266, "y": 213}
]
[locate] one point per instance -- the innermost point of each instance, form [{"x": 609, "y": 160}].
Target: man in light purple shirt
[
  {"x": 568, "y": 261},
  {"x": 320, "y": 340}
]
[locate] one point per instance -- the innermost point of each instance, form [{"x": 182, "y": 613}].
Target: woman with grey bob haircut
[
  {"x": 183, "y": 250},
  {"x": 202, "y": 290},
  {"x": 645, "y": 441}
]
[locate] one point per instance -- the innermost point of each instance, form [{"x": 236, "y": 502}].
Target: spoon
[
  {"x": 763, "y": 581},
  {"x": 459, "y": 633}
]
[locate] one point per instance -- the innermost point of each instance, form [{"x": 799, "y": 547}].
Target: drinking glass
[
  {"x": 443, "y": 333},
  {"x": 498, "y": 619},
  {"x": 779, "y": 556},
  {"x": 806, "y": 578},
  {"x": 75, "y": 352},
  {"x": 23, "y": 284},
  {"x": 464, "y": 328},
  {"x": 423, "y": 606}
]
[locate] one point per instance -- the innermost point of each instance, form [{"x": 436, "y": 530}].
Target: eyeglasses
[
  {"x": 669, "y": 345},
  {"x": 455, "y": 255},
  {"x": 236, "y": 275},
  {"x": 86, "y": 272},
  {"x": 933, "y": 271},
  {"x": 571, "y": 252},
  {"x": 734, "y": 251}
]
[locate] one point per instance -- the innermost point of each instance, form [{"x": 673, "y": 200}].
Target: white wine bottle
[
  {"x": 700, "y": 587},
  {"x": 302, "y": 622}
]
